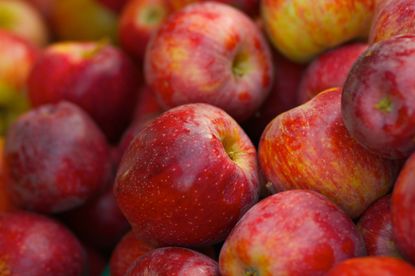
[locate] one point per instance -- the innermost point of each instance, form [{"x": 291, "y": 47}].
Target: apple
[
  {"x": 94, "y": 75},
  {"x": 174, "y": 261},
  {"x": 44, "y": 7},
  {"x": 57, "y": 158},
  {"x": 249, "y": 7},
  {"x": 376, "y": 227},
  {"x": 368, "y": 266},
  {"x": 191, "y": 59},
  {"x": 403, "y": 217},
  {"x": 303, "y": 29},
  {"x": 298, "y": 232},
  {"x": 187, "y": 177},
  {"x": 378, "y": 102},
  {"x": 391, "y": 19},
  {"x": 115, "y": 5},
  {"x": 5, "y": 202},
  {"x": 329, "y": 70},
  {"x": 31, "y": 244},
  {"x": 308, "y": 147},
  {"x": 22, "y": 19},
  {"x": 127, "y": 251}
]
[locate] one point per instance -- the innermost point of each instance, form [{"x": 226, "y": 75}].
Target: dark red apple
[
  {"x": 187, "y": 177},
  {"x": 174, "y": 261},
  {"x": 378, "y": 103},
  {"x": 57, "y": 158},
  {"x": 295, "y": 232},
  {"x": 31, "y": 244}
]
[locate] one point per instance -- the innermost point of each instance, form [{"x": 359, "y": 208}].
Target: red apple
[
  {"x": 31, "y": 244},
  {"x": 127, "y": 251},
  {"x": 295, "y": 232},
  {"x": 368, "y": 266},
  {"x": 376, "y": 228},
  {"x": 308, "y": 147},
  {"x": 57, "y": 158},
  {"x": 211, "y": 53},
  {"x": 5, "y": 202},
  {"x": 329, "y": 70},
  {"x": 403, "y": 217},
  {"x": 187, "y": 177},
  {"x": 378, "y": 103},
  {"x": 174, "y": 261},
  {"x": 96, "y": 76}
]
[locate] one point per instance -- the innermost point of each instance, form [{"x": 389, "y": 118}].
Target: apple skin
[
  {"x": 114, "y": 5},
  {"x": 308, "y": 147},
  {"x": 31, "y": 244},
  {"x": 249, "y": 7},
  {"x": 187, "y": 177},
  {"x": 376, "y": 227},
  {"x": 96, "y": 76},
  {"x": 298, "y": 232},
  {"x": 303, "y": 29},
  {"x": 191, "y": 60},
  {"x": 378, "y": 102},
  {"x": 56, "y": 157},
  {"x": 368, "y": 266},
  {"x": 127, "y": 251},
  {"x": 329, "y": 70},
  {"x": 5, "y": 202},
  {"x": 403, "y": 217},
  {"x": 174, "y": 261}
]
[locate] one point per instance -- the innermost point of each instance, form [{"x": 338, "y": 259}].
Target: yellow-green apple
[
  {"x": 94, "y": 75},
  {"x": 212, "y": 53},
  {"x": 329, "y": 70},
  {"x": 296, "y": 232},
  {"x": 22, "y": 19},
  {"x": 302, "y": 29},
  {"x": 308, "y": 147},
  {"x": 174, "y": 261},
  {"x": 31, "y": 244},
  {"x": 391, "y": 19},
  {"x": 139, "y": 20},
  {"x": 378, "y": 102},
  {"x": 376, "y": 227},
  {"x": 187, "y": 177},
  {"x": 369, "y": 266},
  {"x": 56, "y": 157},
  {"x": 403, "y": 217}
]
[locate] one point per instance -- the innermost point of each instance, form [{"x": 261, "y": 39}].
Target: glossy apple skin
[
  {"x": 329, "y": 70},
  {"x": 403, "y": 217},
  {"x": 96, "y": 76},
  {"x": 308, "y": 147},
  {"x": 391, "y": 19},
  {"x": 191, "y": 60},
  {"x": 297, "y": 232},
  {"x": 367, "y": 266},
  {"x": 31, "y": 244},
  {"x": 376, "y": 227},
  {"x": 57, "y": 158},
  {"x": 127, "y": 251},
  {"x": 378, "y": 102},
  {"x": 187, "y": 177},
  {"x": 174, "y": 261}
]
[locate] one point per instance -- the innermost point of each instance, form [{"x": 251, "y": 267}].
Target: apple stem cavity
[
  {"x": 240, "y": 64},
  {"x": 384, "y": 105},
  {"x": 251, "y": 272},
  {"x": 229, "y": 145}
]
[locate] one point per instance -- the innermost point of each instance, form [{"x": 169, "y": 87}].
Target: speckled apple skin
[
  {"x": 190, "y": 60},
  {"x": 376, "y": 227},
  {"x": 298, "y": 232},
  {"x": 98, "y": 77},
  {"x": 31, "y": 244},
  {"x": 56, "y": 157},
  {"x": 329, "y": 70},
  {"x": 127, "y": 251},
  {"x": 378, "y": 102},
  {"x": 176, "y": 183},
  {"x": 368, "y": 266},
  {"x": 174, "y": 261},
  {"x": 308, "y": 147},
  {"x": 302, "y": 29},
  {"x": 403, "y": 216}
]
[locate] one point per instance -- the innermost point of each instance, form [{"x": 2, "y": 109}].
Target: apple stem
[{"x": 384, "y": 105}]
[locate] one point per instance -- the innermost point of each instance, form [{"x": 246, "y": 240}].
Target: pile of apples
[{"x": 190, "y": 137}]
